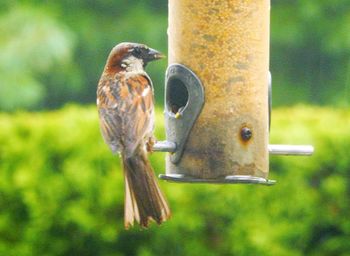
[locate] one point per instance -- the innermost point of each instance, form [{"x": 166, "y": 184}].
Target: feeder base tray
[{"x": 232, "y": 179}]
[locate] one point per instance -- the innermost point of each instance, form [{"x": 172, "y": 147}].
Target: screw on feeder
[{"x": 246, "y": 134}]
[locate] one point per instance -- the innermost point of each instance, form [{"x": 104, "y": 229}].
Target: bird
[{"x": 125, "y": 103}]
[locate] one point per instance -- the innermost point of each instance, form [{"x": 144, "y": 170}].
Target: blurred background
[{"x": 61, "y": 190}]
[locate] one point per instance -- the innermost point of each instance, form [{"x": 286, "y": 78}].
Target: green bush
[{"x": 61, "y": 193}]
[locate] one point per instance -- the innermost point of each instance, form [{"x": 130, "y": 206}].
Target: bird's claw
[{"x": 150, "y": 143}]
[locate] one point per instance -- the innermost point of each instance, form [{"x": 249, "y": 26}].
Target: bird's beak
[{"x": 154, "y": 55}]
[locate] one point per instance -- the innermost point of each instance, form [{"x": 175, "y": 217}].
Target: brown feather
[{"x": 144, "y": 200}]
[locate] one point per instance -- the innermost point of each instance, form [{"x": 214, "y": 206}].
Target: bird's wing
[{"x": 126, "y": 111}]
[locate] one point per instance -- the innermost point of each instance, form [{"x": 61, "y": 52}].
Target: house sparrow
[{"x": 126, "y": 112}]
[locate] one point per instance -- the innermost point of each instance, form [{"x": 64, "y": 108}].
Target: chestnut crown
[{"x": 128, "y": 54}]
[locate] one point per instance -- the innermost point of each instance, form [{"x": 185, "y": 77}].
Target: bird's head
[{"x": 131, "y": 57}]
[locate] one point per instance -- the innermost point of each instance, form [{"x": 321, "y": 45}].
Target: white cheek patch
[{"x": 132, "y": 64}]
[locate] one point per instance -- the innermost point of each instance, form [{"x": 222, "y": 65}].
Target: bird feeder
[{"x": 218, "y": 93}]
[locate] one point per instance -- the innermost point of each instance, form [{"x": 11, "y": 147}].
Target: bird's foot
[{"x": 150, "y": 143}]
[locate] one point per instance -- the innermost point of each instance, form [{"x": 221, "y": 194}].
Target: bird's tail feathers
[{"x": 144, "y": 200}]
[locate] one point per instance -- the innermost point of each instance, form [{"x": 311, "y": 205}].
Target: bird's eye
[{"x": 137, "y": 51}]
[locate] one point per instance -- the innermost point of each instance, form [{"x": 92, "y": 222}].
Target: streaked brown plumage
[{"x": 126, "y": 112}]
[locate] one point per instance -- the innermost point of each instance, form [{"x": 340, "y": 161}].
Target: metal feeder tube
[{"x": 218, "y": 93}]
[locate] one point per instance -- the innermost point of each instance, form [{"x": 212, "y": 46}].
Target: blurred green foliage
[
  {"x": 61, "y": 193},
  {"x": 310, "y": 51},
  {"x": 53, "y": 52},
  {"x": 32, "y": 43}
]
